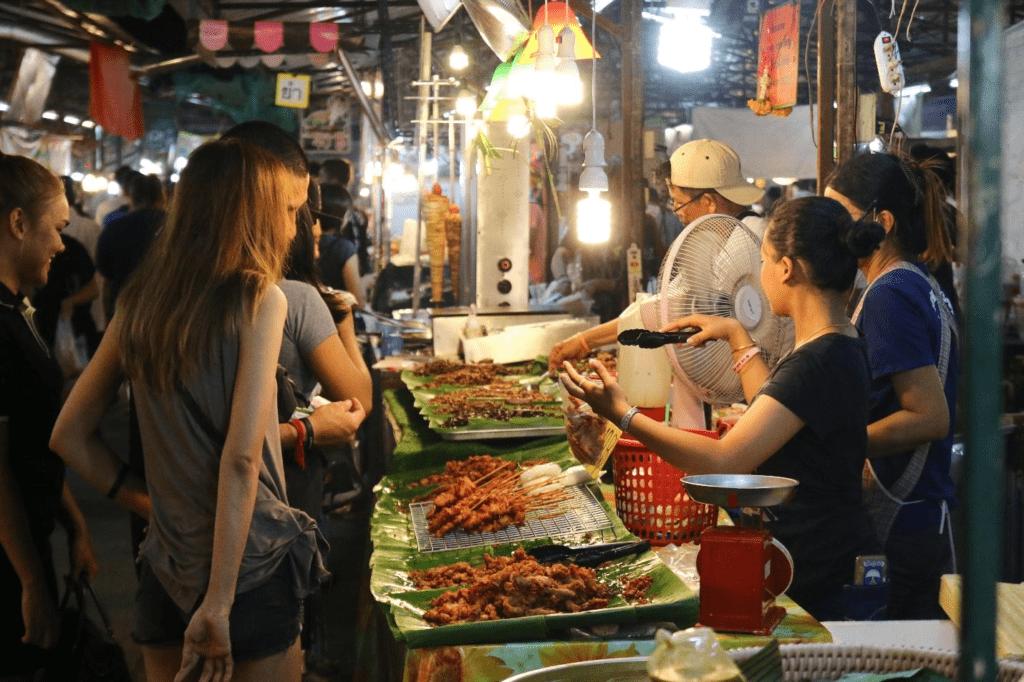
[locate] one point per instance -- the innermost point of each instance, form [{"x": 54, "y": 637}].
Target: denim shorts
[{"x": 264, "y": 620}]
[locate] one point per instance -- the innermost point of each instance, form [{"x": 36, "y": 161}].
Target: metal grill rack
[{"x": 580, "y": 513}]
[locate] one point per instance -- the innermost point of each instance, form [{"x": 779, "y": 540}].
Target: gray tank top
[{"x": 182, "y": 464}]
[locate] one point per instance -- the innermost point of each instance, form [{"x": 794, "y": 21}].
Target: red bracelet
[
  {"x": 747, "y": 357},
  {"x": 300, "y": 451}
]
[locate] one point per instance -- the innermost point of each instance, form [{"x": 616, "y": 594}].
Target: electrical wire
[
  {"x": 807, "y": 69},
  {"x": 593, "y": 70}
]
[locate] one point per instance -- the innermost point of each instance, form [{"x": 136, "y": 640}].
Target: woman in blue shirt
[{"x": 910, "y": 329}]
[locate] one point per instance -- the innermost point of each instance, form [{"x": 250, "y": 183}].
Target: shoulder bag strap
[{"x": 197, "y": 413}]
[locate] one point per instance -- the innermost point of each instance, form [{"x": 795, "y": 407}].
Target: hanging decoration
[
  {"x": 778, "y": 61},
  {"x": 557, "y": 15},
  {"x": 114, "y": 99},
  {"x": 268, "y": 35},
  {"x": 323, "y": 35},
  {"x": 213, "y": 34}
]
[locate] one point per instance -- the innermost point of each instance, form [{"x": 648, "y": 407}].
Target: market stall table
[{"x": 416, "y": 445}]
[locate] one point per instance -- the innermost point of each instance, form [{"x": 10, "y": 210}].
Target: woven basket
[{"x": 832, "y": 661}]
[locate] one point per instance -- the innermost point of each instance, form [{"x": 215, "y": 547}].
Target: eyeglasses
[{"x": 677, "y": 208}]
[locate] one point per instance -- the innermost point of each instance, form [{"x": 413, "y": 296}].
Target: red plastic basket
[{"x": 650, "y": 498}]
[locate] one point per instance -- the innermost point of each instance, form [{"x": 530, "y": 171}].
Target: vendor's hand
[
  {"x": 608, "y": 400},
  {"x": 207, "y": 637},
  {"x": 570, "y": 349},
  {"x": 39, "y": 613},
  {"x": 712, "y": 327},
  {"x": 336, "y": 423}
]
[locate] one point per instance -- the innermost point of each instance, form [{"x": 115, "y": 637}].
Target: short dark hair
[
  {"x": 336, "y": 171},
  {"x": 820, "y": 233},
  {"x": 336, "y": 202},
  {"x": 146, "y": 191}
]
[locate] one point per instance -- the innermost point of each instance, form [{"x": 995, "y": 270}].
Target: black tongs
[
  {"x": 589, "y": 556},
  {"x": 649, "y": 339}
]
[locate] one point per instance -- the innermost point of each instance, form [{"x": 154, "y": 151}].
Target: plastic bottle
[
  {"x": 473, "y": 329},
  {"x": 644, "y": 374}
]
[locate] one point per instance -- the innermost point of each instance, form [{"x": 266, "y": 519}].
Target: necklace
[{"x": 818, "y": 331}]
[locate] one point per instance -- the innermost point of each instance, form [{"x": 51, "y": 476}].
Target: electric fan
[{"x": 713, "y": 268}]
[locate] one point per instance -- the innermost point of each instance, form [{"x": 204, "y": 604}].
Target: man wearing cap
[{"x": 703, "y": 177}]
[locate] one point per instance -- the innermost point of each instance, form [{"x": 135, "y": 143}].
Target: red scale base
[{"x": 741, "y": 572}]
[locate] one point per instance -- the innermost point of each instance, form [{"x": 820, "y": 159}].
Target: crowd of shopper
[{"x": 230, "y": 314}]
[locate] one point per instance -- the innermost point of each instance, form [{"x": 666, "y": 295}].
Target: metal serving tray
[
  {"x": 579, "y": 514},
  {"x": 511, "y": 432},
  {"x": 607, "y": 670}
]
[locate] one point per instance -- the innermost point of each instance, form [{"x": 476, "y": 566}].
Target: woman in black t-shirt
[
  {"x": 33, "y": 493},
  {"x": 808, "y": 416}
]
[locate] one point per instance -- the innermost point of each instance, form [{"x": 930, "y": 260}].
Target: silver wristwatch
[{"x": 628, "y": 418}]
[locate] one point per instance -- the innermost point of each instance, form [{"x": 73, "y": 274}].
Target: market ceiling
[{"x": 382, "y": 36}]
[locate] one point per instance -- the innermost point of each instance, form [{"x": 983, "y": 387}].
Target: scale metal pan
[{"x": 740, "y": 490}]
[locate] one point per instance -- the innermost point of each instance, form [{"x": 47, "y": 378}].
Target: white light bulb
[
  {"x": 458, "y": 59},
  {"x": 593, "y": 219},
  {"x": 518, "y": 126},
  {"x": 465, "y": 105},
  {"x": 77, "y": 176}
]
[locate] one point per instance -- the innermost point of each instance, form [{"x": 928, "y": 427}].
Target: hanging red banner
[
  {"x": 114, "y": 99},
  {"x": 213, "y": 34},
  {"x": 269, "y": 35},
  {"x": 323, "y": 36},
  {"x": 778, "y": 61}
]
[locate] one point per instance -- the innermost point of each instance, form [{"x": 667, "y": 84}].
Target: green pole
[{"x": 981, "y": 49}]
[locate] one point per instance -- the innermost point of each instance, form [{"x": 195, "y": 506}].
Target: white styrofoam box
[
  {"x": 522, "y": 342},
  {"x": 447, "y": 328}
]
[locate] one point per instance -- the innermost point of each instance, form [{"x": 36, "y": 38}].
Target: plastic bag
[
  {"x": 691, "y": 655},
  {"x": 591, "y": 437},
  {"x": 70, "y": 356}
]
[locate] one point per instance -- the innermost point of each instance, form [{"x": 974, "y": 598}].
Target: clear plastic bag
[
  {"x": 591, "y": 437},
  {"x": 691, "y": 655}
]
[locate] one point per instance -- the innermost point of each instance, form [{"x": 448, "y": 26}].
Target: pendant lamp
[{"x": 593, "y": 213}]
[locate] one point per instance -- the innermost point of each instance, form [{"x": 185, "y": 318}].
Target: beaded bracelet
[{"x": 747, "y": 357}]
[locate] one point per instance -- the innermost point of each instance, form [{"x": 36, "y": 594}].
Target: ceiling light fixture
[
  {"x": 593, "y": 213},
  {"x": 458, "y": 59}
]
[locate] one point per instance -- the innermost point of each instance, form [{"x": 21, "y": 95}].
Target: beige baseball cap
[{"x": 709, "y": 164}]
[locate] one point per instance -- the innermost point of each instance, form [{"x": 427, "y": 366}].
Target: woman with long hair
[
  {"x": 807, "y": 415},
  {"x": 910, "y": 328},
  {"x": 33, "y": 492},
  {"x": 226, "y": 561}
]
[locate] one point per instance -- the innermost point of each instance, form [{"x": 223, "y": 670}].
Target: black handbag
[{"x": 86, "y": 652}]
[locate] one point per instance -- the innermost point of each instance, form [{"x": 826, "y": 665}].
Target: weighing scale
[{"x": 742, "y": 570}]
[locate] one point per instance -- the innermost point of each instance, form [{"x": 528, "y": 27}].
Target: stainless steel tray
[
  {"x": 513, "y": 432},
  {"x": 608, "y": 670},
  {"x": 581, "y": 513},
  {"x": 740, "y": 490}
]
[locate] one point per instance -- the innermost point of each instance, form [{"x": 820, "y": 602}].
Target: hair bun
[{"x": 863, "y": 237}]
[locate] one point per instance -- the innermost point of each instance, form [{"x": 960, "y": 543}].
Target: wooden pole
[
  {"x": 826, "y": 92},
  {"x": 846, "y": 75},
  {"x": 632, "y": 174}
]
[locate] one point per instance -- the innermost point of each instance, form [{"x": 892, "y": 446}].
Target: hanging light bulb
[
  {"x": 465, "y": 105},
  {"x": 518, "y": 121},
  {"x": 570, "y": 88},
  {"x": 593, "y": 214},
  {"x": 544, "y": 85},
  {"x": 458, "y": 59}
]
